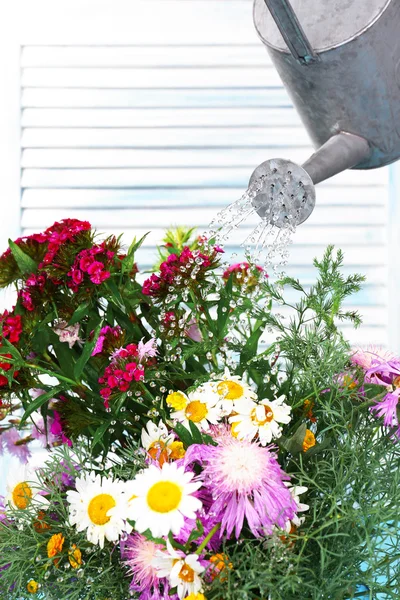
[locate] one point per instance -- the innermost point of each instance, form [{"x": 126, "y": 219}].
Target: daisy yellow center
[
  {"x": 164, "y": 496},
  {"x": 194, "y": 596},
  {"x": 99, "y": 507},
  {"x": 22, "y": 495},
  {"x": 267, "y": 417},
  {"x": 231, "y": 390},
  {"x": 186, "y": 573},
  {"x": 196, "y": 411}
]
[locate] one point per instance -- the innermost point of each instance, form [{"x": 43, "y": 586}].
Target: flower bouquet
[{"x": 207, "y": 433}]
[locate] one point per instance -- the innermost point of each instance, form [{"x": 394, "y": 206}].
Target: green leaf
[
  {"x": 80, "y": 312},
  {"x": 129, "y": 260},
  {"x": 174, "y": 543},
  {"x": 196, "y": 533},
  {"x": 371, "y": 390},
  {"x": 12, "y": 350},
  {"x": 39, "y": 401},
  {"x": 223, "y": 306},
  {"x": 250, "y": 348},
  {"x": 196, "y": 435},
  {"x": 99, "y": 433},
  {"x": 25, "y": 263},
  {"x": 86, "y": 353},
  {"x": 294, "y": 445},
  {"x": 183, "y": 435},
  {"x": 116, "y": 294}
]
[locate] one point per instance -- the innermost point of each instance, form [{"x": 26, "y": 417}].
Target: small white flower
[
  {"x": 260, "y": 419},
  {"x": 99, "y": 506},
  {"x": 182, "y": 571},
  {"x": 147, "y": 350},
  {"x": 296, "y": 491},
  {"x": 159, "y": 499},
  {"x": 67, "y": 333}
]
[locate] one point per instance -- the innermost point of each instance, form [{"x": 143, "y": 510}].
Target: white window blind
[{"x": 165, "y": 127}]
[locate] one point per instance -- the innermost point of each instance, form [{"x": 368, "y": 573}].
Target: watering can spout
[
  {"x": 295, "y": 184},
  {"x": 342, "y": 151}
]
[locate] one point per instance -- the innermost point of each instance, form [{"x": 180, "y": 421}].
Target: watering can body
[{"x": 350, "y": 80}]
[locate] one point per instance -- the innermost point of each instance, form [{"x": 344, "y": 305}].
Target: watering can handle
[{"x": 292, "y": 32}]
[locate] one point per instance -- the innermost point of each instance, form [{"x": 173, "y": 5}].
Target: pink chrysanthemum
[
  {"x": 246, "y": 481},
  {"x": 366, "y": 357},
  {"x": 387, "y": 409},
  {"x": 138, "y": 555}
]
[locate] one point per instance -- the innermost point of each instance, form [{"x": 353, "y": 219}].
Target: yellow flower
[
  {"x": 55, "y": 546},
  {"x": 177, "y": 450},
  {"x": 309, "y": 440},
  {"x": 177, "y": 400},
  {"x": 32, "y": 586},
  {"x": 219, "y": 563},
  {"x": 198, "y": 596},
  {"x": 75, "y": 556}
]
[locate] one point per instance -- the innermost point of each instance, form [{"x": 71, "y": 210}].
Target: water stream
[{"x": 278, "y": 201}]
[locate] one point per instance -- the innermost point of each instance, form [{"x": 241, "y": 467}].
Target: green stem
[
  {"x": 208, "y": 538},
  {"x": 53, "y": 374}
]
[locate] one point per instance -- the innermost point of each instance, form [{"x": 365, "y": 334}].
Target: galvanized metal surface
[
  {"x": 288, "y": 194},
  {"x": 291, "y": 30},
  {"x": 355, "y": 86}
]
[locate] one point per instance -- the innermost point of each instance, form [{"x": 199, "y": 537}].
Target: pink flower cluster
[
  {"x": 108, "y": 335},
  {"x": 94, "y": 262},
  {"x": 34, "y": 286},
  {"x": 121, "y": 372},
  {"x": 12, "y": 326},
  {"x": 60, "y": 233},
  {"x": 244, "y": 273},
  {"x": 177, "y": 270}
]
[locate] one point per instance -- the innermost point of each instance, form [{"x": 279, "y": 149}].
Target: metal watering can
[{"x": 340, "y": 63}]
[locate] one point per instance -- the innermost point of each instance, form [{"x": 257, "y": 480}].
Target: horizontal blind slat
[
  {"x": 159, "y": 117},
  {"x": 144, "y": 217},
  {"x": 171, "y": 137},
  {"x": 144, "y": 56},
  {"x": 130, "y": 78},
  {"x": 144, "y": 98},
  {"x": 104, "y": 199}
]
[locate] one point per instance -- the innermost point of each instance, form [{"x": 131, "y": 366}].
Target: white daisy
[
  {"x": 296, "y": 491},
  {"x": 231, "y": 388},
  {"x": 182, "y": 571},
  {"x": 23, "y": 489},
  {"x": 159, "y": 499},
  {"x": 99, "y": 506},
  {"x": 261, "y": 419},
  {"x": 200, "y": 409}
]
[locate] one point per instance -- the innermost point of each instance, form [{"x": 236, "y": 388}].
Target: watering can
[{"x": 339, "y": 61}]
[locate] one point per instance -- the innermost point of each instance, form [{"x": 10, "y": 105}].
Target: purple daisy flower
[{"x": 246, "y": 482}]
